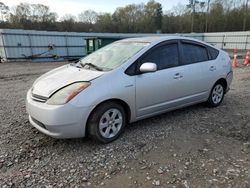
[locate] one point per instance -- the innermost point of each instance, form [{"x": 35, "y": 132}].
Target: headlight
[{"x": 67, "y": 93}]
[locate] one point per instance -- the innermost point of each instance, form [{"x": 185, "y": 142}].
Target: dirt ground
[{"x": 192, "y": 147}]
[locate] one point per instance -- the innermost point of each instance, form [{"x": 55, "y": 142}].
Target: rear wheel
[
  {"x": 217, "y": 95},
  {"x": 107, "y": 122}
]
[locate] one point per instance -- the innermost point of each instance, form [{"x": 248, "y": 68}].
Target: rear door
[
  {"x": 211, "y": 68},
  {"x": 193, "y": 58}
]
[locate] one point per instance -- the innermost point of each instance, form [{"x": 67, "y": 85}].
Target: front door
[{"x": 155, "y": 91}]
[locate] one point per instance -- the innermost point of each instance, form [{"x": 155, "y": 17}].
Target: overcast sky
[{"x": 74, "y": 7}]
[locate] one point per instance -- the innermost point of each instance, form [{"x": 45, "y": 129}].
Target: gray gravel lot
[{"x": 192, "y": 147}]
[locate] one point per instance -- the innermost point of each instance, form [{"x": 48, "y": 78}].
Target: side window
[
  {"x": 165, "y": 56},
  {"x": 213, "y": 53},
  {"x": 193, "y": 53}
]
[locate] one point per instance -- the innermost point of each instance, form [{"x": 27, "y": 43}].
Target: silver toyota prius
[{"x": 127, "y": 81}]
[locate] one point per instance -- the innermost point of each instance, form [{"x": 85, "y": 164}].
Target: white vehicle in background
[{"x": 127, "y": 81}]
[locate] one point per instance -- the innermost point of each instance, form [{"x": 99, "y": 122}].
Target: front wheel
[
  {"x": 107, "y": 122},
  {"x": 217, "y": 95}
]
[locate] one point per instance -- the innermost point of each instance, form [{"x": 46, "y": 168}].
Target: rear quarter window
[{"x": 213, "y": 53}]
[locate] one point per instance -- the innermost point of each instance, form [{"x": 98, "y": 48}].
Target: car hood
[{"x": 50, "y": 82}]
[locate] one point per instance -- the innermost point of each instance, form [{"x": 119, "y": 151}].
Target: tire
[
  {"x": 216, "y": 95},
  {"x": 107, "y": 122}
]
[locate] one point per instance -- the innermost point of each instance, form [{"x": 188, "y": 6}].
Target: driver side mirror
[{"x": 148, "y": 67}]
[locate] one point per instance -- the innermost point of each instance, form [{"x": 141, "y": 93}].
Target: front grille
[
  {"x": 39, "y": 98},
  {"x": 38, "y": 123}
]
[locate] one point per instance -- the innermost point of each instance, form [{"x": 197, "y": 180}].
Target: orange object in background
[
  {"x": 235, "y": 63},
  {"x": 247, "y": 58}
]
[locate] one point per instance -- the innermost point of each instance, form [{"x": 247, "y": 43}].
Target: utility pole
[
  {"x": 208, "y": 8},
  {"x": 245, "y": 16},
  {"x": 192, "y": 6}
]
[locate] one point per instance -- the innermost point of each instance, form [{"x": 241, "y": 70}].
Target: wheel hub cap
[
  {"x": 217, "y": 94},
  {"x": 110, "y": 123}
]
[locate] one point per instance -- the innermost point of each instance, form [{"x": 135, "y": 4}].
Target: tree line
[{"x": 197, "y": 16}]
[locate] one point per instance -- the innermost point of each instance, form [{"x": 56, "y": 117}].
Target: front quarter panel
[{"x": 113, "y": 85}]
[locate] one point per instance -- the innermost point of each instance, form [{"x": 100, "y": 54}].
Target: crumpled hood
[{"x": 50, "y": 82}]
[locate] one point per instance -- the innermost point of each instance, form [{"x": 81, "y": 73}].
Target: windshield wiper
[
  {"x": 75, "y": 63},
  {"x": 92, "y": 65}
]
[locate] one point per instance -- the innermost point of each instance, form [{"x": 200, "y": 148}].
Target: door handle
[
  {"x": 212, "y": 68},
  {"x": 177, "y": 76}
]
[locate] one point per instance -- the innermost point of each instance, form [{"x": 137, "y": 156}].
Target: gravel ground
[{"x": 192, "y": 147}]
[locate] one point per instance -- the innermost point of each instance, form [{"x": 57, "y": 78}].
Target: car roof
[
  {"x": 150, "y": 39},
  {"x": 156, "y": 39}
]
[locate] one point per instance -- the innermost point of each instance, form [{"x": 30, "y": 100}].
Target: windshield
[{"x": 113, "y": 55}]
